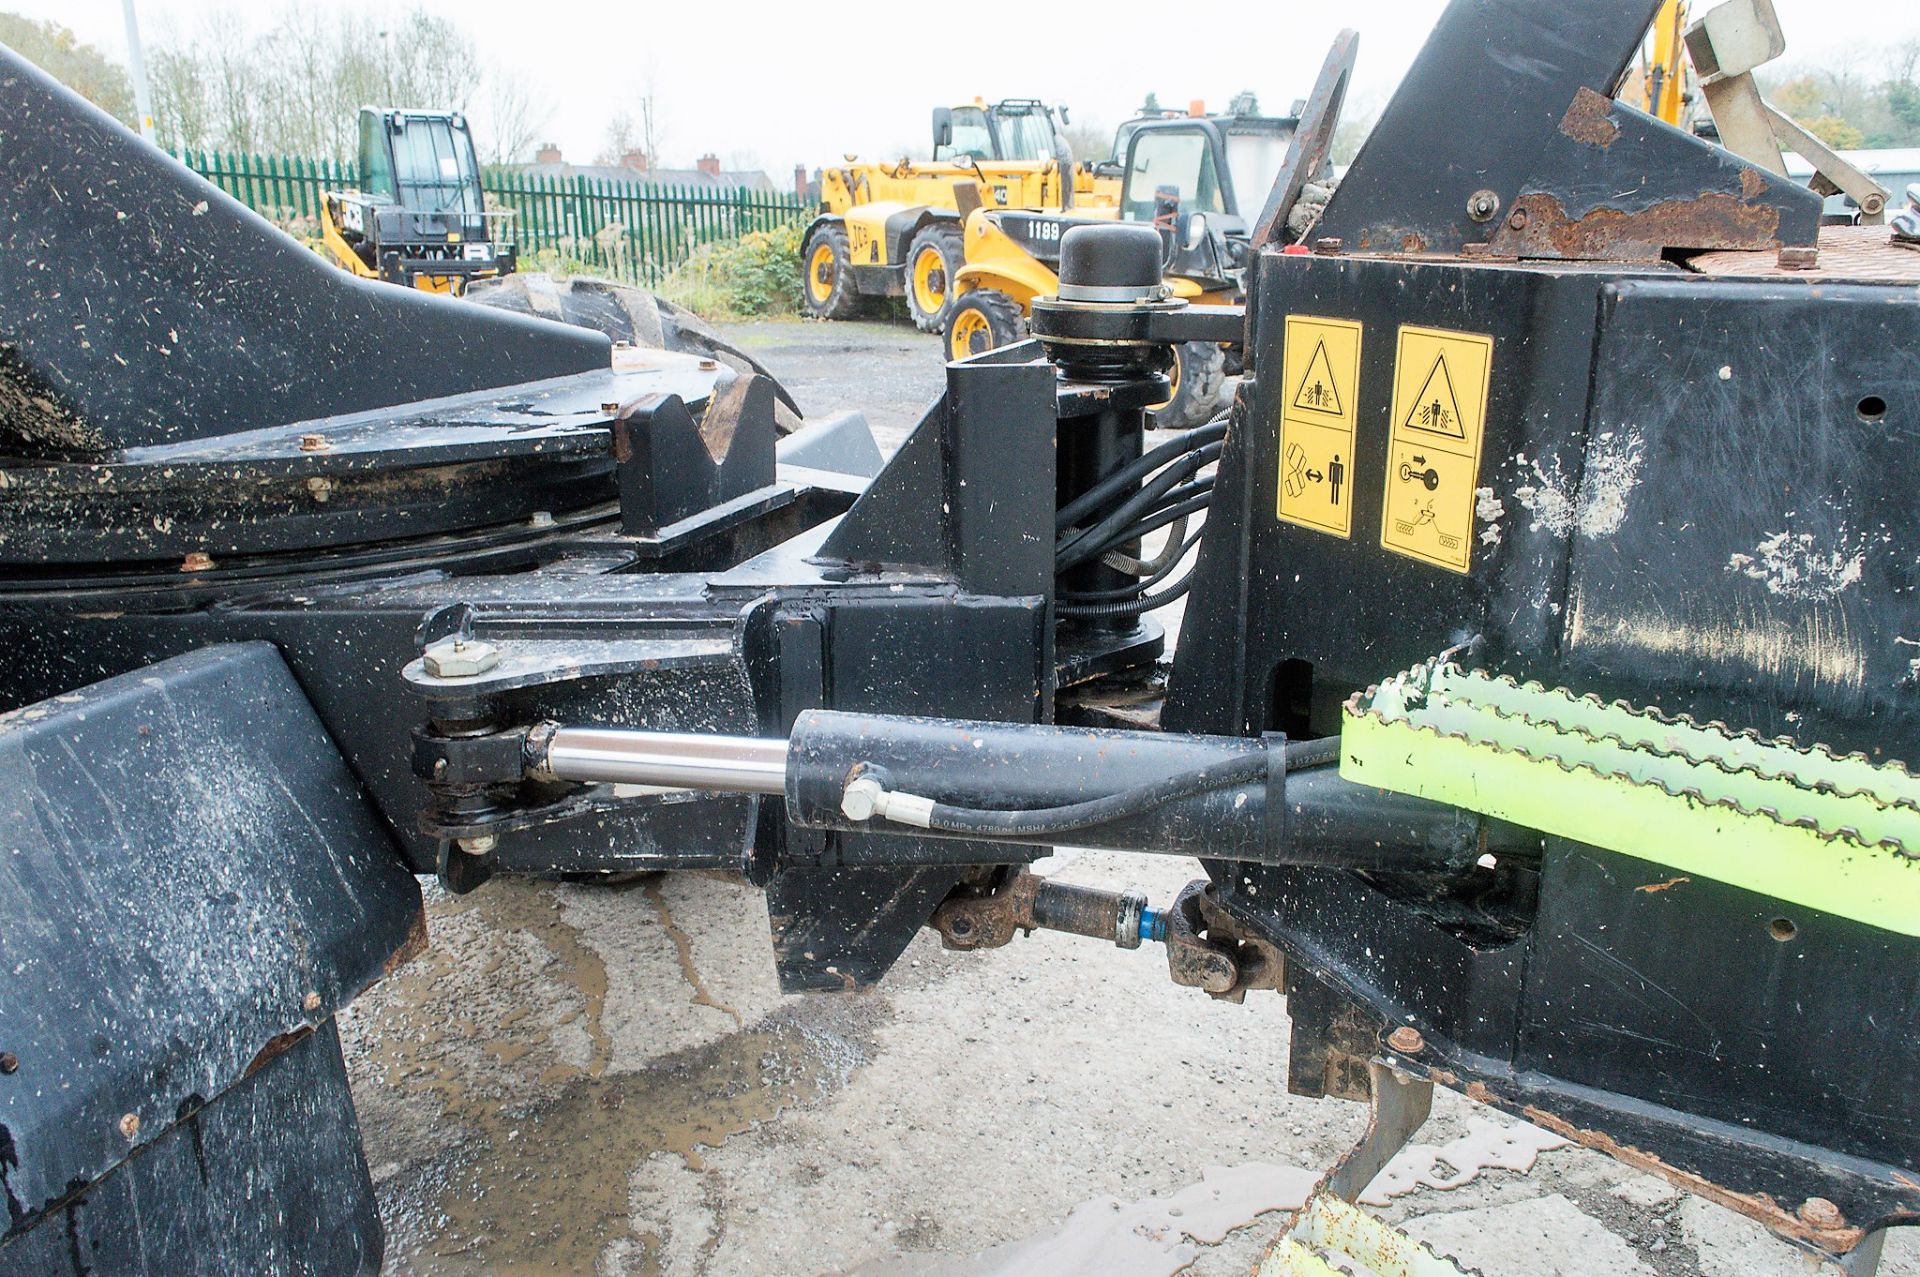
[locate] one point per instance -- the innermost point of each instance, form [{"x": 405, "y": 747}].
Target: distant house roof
[{"x": 620, "y": 174}]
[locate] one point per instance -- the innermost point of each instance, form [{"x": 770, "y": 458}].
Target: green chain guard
[{"x": 1835, "y": 833}]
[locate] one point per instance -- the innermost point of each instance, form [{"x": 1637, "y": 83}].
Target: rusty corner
[
  {"x": 1836, "y": 1236},
  {"x": 1587, "y": 120}
]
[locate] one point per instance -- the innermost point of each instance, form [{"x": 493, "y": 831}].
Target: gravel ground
[{"x": 594, "y": 1080}]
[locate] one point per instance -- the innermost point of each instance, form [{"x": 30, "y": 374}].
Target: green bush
[
  {"x": 555, "y": 262},
  {"x": 747, "y": 278}
]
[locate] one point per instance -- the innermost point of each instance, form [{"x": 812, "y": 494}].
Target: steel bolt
[
  {"x": 314, "y": 443},
  {"x": 1799, "y": 258},
  {"x": 478, "y": 846},
  {"x": 459, "y": 658},
  {"x": 311, "y": 1002},
  {"x": 708, "y": 365},
  {"x": 129, "y": 1125},
  {"x": 9, "y": 1062},
  {"x": 1519, "y": 219},
  {"x": 196, "y": 561},
  {"x": 611, "y": 408},
  {"x": 1822, "y": 1214},
  {"x": 1482, "y": 205},
  {"x": 1329, "y": 245},
  {"x": 1407, "y": 1040}
]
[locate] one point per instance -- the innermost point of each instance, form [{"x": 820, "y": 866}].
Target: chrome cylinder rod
[{"x": 670, "y": 760}]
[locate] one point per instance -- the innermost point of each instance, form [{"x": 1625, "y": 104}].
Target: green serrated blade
[{"x": 1835, "y": 833}]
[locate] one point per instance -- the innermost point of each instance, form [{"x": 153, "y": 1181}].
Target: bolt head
[
  {"x": 314, "y": 443},
  {"x": 197, "y": 561},
  {"x": 452, "y": 658},
  {"x": 1329, "y": 245},
  {"x": 1407, "y": 1040},
  {"x": 129, "y": 1125},
  {"x": 1822, "y": 1214},
  {"x": 9, "y": 1062},
  {"x": 1799, "y": 258},
  {"x": 478, "y": 846},
  {"x": 1519, "y": 219}
]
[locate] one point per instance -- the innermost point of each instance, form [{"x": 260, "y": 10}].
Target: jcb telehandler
[
  {"x": 1198, "y": 179},
  {"x": 420, "y": 218},
  {"x": 891, "y": 230}
]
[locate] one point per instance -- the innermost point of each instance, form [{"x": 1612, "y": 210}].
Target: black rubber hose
[
  {"x": 1091, "y": 501},
  {"x": 1141, "y": 586},
  {"x": 1127, "y": 607},
  {"x": 1046, "y": 821},
  {"x": 1082, "y": 551},
  {"x": 1143, "y": 502}
]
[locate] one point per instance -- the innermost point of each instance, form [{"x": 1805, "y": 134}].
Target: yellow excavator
[
  {"x": 1663, "y": 89},
  {"x": 419, "y": 218},
  {"x": 894, "y": 229}
]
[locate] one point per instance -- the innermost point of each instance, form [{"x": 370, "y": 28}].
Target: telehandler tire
[
  {"x": 626, "y": 313},
  {"x": 826, "y": 284},
  {"x": 933, "y": 259},
  {"x": 1199, "y": 370},
  {"x": 984, "y": 319}
]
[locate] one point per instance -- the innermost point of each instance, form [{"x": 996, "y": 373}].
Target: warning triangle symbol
[
  {"x": 1436, "y": 409},
  {"x": 1317, "y": 392}
]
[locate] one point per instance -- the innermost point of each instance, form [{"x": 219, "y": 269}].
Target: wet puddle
[
  {"x": 538, "y": 1187},
  {"x": 1106, "y": 1237}
]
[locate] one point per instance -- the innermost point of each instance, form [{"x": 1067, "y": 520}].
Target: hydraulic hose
[
  {"x": 1120, "y": 481},
  {"x": 1073, "y": 817}
]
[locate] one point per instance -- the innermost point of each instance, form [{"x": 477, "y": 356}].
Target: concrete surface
[{"x": 605, "y": 1080}]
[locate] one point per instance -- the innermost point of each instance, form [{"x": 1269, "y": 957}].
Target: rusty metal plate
[{"x": 1846, "y": 252}]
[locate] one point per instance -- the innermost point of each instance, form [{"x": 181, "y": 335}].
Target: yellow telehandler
[
  {"x": 894, "y": 229},
  {"x": 420, "y": 218}
]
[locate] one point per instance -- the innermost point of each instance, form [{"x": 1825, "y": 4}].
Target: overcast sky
[{"x": 776, "y": 83}]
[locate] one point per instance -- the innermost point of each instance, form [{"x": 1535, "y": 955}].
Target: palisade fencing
[{"x": 626, "y": 231}]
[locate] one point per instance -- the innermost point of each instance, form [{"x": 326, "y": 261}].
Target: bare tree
[
  {"x": 81, "y": 67},
  {"x": 514, "y": 116},
  {"x": 653, "y": 134},
  {"x": 296, "y": 89},
  {"x": 621, "y": 138}
]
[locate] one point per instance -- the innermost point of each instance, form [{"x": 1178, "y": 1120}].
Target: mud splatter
[
  {"x": 1489, "y": 509},
  {"x": 1792, "y": 566},
  {"x": 1597, "y": 505}
]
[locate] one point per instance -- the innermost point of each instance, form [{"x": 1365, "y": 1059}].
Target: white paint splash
[
  {"x": 1489, "y": 509},
  {"x": 1487, "y": 1145},
  {"x": 1793, "y": 566},
  {"x": 1597, "y": 506}
]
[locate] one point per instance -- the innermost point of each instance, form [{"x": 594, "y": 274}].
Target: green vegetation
[
  {"x": 755, "y": 276},
  {"x": 81, "y": 67}
]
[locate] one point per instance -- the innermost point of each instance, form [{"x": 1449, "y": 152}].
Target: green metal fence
[{"x": 626, "y": 231}]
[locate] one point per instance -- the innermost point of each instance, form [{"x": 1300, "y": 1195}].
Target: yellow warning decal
[
  {"x": 1319, "y": 405},
  {"x": 1440, "y": 383}
]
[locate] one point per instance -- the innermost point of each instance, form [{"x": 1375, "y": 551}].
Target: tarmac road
[{"x": 605, "y": 1080}]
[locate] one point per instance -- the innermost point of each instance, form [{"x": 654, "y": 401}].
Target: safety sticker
[
  {"x": 1440, "y": 381},
  {"x": 1318, "y": 408}
]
